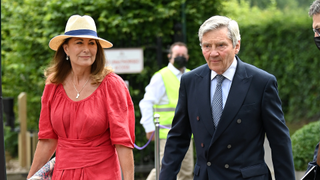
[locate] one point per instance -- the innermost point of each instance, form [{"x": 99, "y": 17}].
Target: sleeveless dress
[{"x": 87, "y": 130}]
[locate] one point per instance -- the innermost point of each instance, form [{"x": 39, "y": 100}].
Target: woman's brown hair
[{"x": 59, "y": 68}]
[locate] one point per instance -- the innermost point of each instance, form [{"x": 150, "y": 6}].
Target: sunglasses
[{"x": 317, "y": 31}]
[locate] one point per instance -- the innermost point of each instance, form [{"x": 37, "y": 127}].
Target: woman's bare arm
[
  {"x": 126, "y": 161},
  {"x": 44, "y": 151}
]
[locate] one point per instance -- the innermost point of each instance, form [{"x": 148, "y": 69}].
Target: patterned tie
[{"x": 217, "y": 101}]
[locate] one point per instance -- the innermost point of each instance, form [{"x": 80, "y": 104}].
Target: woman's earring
[{"x": 67, "y": 58}]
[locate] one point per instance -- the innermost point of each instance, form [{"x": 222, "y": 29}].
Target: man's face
[
  {"x": 316, "y": 23},
  {"x": 218, "y": 50},
  {"x": 178, "y": 51}
]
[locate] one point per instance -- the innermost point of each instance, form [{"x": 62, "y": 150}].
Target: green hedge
[
  {"x": 280, "y": 42},
  {"x": 28, "y": 25},
  {"x": 304, "y": 142}
]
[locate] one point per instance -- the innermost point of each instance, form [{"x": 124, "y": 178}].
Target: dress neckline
[{"x": 85, "y": 99}]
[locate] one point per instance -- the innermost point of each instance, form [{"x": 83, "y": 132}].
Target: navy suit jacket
[{"x": 234, "y": 151}]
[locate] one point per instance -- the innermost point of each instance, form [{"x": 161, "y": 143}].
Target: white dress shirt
[
  {"x": 226, "y": 83},
  {"x": 155, "y": 94}
]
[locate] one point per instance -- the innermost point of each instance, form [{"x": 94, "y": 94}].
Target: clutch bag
[{"x": 45, "y": 173}]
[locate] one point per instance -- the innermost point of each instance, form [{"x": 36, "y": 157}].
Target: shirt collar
[
  {"x": 229, "y": 73},
  {"x": 174, "y": 70}
]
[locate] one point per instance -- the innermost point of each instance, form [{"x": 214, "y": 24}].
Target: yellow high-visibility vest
[{"x": 166, "y": 111}]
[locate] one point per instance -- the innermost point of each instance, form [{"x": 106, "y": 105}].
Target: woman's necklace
[{"x": 78, "y": 92}]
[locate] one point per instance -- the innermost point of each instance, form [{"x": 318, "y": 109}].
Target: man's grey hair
[
  {"x": 216, "y": 22},
  {"x": 314, "y": 8}
]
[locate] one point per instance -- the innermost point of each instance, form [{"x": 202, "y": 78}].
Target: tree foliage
[
  {"x": 280, "y": 4},
  {"x": 28, "y": 25},
  {"x": 23, "y": 52},
  {"x": 281, "y": 42}
]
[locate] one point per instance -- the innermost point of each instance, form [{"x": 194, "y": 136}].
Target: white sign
[{"x": 125, "y": 61}]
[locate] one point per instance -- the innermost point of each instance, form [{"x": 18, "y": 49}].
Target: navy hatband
[{"x": 81, "y": 32}]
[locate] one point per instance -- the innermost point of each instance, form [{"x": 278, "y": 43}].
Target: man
[
  {"x": 230, "y": 146},
  {"x": 314, "y": 12},
  {"x": 161, "y": 97}
]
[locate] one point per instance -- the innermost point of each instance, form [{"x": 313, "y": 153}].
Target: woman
[{"x": 87, "y": 115}]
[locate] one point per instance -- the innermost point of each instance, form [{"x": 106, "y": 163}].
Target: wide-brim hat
[{"x": 79, "y": 26}]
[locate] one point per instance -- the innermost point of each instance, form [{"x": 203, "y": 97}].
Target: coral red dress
[{"x": 87, "y": 130}]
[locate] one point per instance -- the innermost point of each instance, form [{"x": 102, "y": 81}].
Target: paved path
[{"x": 267, "y": 156}]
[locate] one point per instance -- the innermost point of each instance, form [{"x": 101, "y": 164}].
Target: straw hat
[{"x": 79, "y": 26}]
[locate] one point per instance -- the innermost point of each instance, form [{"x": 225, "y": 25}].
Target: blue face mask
[{"x": 317, "y": 41}]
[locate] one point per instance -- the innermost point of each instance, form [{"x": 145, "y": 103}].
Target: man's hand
[{"x": 149, "y": 135}]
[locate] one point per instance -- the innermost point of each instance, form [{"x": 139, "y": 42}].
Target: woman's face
[{"x": 81, "y": 51}]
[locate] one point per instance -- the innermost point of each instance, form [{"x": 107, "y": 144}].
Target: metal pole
[
  {"x": 3, "y": 173},
  {"x": 157, "y": 146}
]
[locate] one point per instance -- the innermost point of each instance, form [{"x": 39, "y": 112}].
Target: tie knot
[{"x": 220, "y": 78}]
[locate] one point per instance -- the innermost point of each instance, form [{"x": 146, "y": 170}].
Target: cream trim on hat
[{"x": 79, "y": 26}]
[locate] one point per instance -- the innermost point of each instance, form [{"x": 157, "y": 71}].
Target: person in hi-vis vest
[{"x": 161, "y": 98}]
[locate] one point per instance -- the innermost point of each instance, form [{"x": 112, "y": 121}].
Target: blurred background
[{"x": 276, "y": 35}]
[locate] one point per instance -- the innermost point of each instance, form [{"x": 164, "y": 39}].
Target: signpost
[{"x": 125, "y": 60}]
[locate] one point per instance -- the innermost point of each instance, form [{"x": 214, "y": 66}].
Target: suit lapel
[
  {"x": 239, "y": 88},
  {"x": 203, "y": 100}
]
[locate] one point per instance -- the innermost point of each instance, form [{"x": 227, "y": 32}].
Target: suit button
[
  {"x": 202, "y": 145},
  {"x": 208, "y": 163},
  {"x": 226, "y": 166},
  {"x": 198, "y": 118},
  {"x": 229, "y": 146},
  {"x": 239, "y": 121}
]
